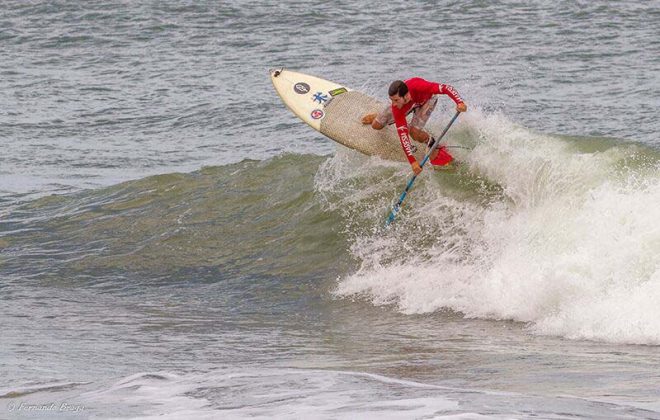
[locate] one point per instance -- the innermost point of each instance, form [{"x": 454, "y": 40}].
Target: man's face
[{"x": 400, "y": 101}]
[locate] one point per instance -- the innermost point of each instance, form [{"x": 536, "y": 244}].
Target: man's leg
[
  {"x": 419, "y": 120},
  {"x": 419, "y": 135}
]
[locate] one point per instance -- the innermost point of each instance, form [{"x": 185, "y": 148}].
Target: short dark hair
[{"x": 398, "y": 88}]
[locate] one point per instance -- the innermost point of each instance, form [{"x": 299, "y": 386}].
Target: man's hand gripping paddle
[{"x": 397, "y": 207}]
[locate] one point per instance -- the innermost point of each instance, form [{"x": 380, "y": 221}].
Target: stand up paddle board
[{"x": 336, "y": 111}]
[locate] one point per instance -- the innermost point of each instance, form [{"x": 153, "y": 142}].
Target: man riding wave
[{"x": 418, "y": 96}]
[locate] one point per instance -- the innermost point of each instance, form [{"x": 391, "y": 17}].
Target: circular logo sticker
[
  {"x": 317, "y": 114},
  {"x": 301, "y": 88}
]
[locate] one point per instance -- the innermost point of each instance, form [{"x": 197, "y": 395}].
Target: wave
[
  {"x": 243, "y": 219},
  {"x": 316, "y": 393},
  {"x": 22, "y": 391},
  {"x": 556, "y": 231}
]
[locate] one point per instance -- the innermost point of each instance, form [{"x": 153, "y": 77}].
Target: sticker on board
[
  {"x": 320, "y": 97},
  {"x": 338, "y": 91},
  {"x": 301, "y": 88}
]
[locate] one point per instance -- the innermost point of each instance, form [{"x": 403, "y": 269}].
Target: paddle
[{"x": 397, "y": 207}]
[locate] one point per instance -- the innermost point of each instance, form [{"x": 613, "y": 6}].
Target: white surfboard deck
[{"x": 336, "y": 111}]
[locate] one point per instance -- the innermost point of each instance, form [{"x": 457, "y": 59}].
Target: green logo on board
[{"x": 338, "y": 91}]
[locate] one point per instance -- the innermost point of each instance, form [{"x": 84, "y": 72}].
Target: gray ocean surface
[{"x": 174, "y": 243}]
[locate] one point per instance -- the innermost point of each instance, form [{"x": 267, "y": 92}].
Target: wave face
[
  {"x": 248, "y": 219},
  {"x": 554, "y": 231}
]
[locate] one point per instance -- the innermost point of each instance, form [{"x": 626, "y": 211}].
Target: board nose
[{"x": 276, "y": 71}]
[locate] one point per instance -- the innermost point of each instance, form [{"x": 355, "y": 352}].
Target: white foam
[
  {"x": 280, "y": 392},
  {"x": 270, "y": 393},
  {"x": 571, "y": 245}
]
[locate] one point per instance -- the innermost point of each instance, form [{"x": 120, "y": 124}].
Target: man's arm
[
  {"x": 404, "y": 138},
  {"x": 441, "y": 89},
  {"x": 453, "y": 94}
]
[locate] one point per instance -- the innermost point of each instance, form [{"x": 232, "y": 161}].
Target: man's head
[{"x": 399, "y": 94}]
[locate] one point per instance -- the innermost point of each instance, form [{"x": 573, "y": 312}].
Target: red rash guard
[{"x": 420, "y": 92}]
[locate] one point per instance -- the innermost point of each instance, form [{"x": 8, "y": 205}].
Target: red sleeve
[
  {"x": 431, "y": 88},
  {"x": 402, "y": 131},
  {"x": 451, "y": 92}
]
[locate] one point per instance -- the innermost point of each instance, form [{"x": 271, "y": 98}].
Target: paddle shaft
[{"x": 397, "y": 207}]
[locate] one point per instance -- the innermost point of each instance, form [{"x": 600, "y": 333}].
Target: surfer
[{"x": 418, "y": 96}]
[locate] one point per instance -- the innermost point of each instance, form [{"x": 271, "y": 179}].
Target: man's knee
[{"x": 419, "y": 135}]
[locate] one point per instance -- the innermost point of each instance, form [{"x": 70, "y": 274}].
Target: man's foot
[
  {"x": 369, "y": 118},
  {"x": 442, "y": 158}
]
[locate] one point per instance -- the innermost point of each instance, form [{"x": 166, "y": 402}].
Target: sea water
[{"x": 174, "y": 243}]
